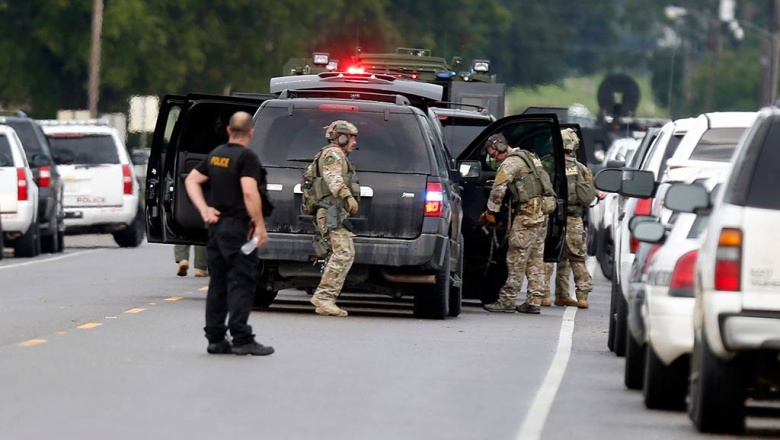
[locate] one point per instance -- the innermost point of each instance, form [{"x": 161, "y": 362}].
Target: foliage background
[{"x": 178, "y": 46}]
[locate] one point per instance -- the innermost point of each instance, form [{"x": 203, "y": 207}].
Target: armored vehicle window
[
  {"x": 392, "y": 145},
  {"x": 717, "y": 144},
  {"x": 86, "y": 149}
]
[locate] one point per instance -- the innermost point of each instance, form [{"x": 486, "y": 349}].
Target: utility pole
[
  {"x": 774, "y": 58},
  {"x": 714, "y": 46},
  {"x": 94, "y": 59}
]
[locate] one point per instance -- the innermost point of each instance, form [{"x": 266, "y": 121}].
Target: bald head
[{"x": 240, "y": 127}]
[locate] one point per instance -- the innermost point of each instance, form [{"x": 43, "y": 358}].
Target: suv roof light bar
[
  {"x": 411, "y": 89},
  {"x": 55, "y": 122},
  {"x": 345, "y": 94}
]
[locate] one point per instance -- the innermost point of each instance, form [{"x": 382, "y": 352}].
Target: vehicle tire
[
  {"x": 60, "y": 241},
  {"x": 605, "y": 256},
  {"x": 635, "y": 364},
  {"x": 264, "y": 298},
  {"x": 664, "y": 385},
  {"x": 621, "y": 323},
  {"x": 717, "y": 396},
  {"x": 133, "y": 234},
  {"x": 434, "y": 303},
  {"x": 612, "y": 309},
  {"x": 29, "y": 244},
  {"x": 456, "y": 293}
]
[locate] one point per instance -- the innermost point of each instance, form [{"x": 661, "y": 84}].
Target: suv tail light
[
  {"x": 434, "y": 198},
  {"x": 683, "y": 275},
  {"x": 728, "y": 260},
  {"x": 127, "y": 180},
  {"x": 643, "y": 207},
  {"x": 21, "y": 184},
  {"x": 44, "y": 176}
]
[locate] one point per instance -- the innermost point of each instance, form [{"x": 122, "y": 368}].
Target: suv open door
[
  {"x": 187, "y": 129},
  {"x": 485, "y": 256}
]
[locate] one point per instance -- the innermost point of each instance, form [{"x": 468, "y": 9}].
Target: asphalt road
[{"x": 102, "y": 342}]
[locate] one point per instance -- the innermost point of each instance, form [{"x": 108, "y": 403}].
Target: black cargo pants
[{"x": 232, "y": 283}]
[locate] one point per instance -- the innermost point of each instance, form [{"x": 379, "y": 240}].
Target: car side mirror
[
  {"x": 40, "y": 160},
  {"x": 470, "y": 169},
  {"x": 629, "y": 183},
  {"x": 637, "y": 219},
  {"x": 648, "y": 231},
  {"x": 687, "y": 197}
]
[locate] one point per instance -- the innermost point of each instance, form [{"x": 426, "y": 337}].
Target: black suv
[
  {"x": 51, "y": 216},
  {"x": 417, "y": 216}
]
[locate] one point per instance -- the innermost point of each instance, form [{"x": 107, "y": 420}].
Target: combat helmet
[
  {"x": 497, "y": 142},
  {"x": 570, "y": 139},
  {"x": 339, "y": 127}
]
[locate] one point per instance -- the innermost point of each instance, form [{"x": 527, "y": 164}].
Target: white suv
[
  {"x": 18, "y": 198},
  {"x": 101, "y": 191},
  {"x": 736, "y": 319}
]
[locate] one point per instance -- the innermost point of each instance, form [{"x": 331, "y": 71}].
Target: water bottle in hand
[{"x": 249, "y": 246}]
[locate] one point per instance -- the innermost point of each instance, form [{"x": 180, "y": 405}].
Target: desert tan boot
[
  {"x": 326, "y": 308},
  {"x": 561, "y": 301},
  {"x": 184, "y": 265},
  {"x": 582, "y": 300}
]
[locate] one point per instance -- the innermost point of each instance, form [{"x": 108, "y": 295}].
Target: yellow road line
[
  {"x": 60, "y": 333},
  {"x": 90, "y": 325},
  {"x": 204, "y": 289},
  {"x": 173, "y": 298},
  {"x": 32, "y": 342},
  {"x": 136, "y": 310}
]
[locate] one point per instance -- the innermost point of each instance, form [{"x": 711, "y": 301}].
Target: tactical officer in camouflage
[
  {"x": 532, "y": 197},
  {"x": 341, "y": 193},
  {"x": 581, "y": 194}
]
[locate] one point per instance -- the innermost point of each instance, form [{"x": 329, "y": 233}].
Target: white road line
[
  {"x": 540, "y": 408},
  {"x": 47, "y": 260}
]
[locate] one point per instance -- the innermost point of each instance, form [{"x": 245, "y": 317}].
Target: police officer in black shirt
[{"x": 235, "y": 173}]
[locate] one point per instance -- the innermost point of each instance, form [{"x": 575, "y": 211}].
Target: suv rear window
[
  {"x": 765, "y": 178},
  {"x": 26, "y": 132},
  {"x": 5, "y": 150},
  {"x": 87, "y": 149},
  {"x": 461, "y": 131},
  {"x": 386, "y": 142},
  {"x": 717, "y": 144}
]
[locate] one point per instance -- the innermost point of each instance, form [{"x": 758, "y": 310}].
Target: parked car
[
  {"x": 44, "y": 165},
  {"x": 736, "y": 318},
  {"x": 18, "y": 197},
  {"x": 664, "y": 146},
  {"x": 101, "y": 190},
  {"x": 417, "y": 231}
]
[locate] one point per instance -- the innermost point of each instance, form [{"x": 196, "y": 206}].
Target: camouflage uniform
[
  {"x": 335, "y": 169},
  {"x": 526, "y": 236},
  {"x": 575, "y": 244}
]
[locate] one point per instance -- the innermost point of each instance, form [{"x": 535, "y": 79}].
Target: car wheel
[
  {"x": 60, "y": 241},
  {"x": 717, "y": 395},
  {"x": 621, "y": 322},
  {"x": 635, "y": 364},
  {"x": 133, "y": 234},
  {"x": 264, "y": 298},
  {"x": 2, "y": 242},
  {"x": 612, "y": 310},
  {"x": 29, "y": 244},
  {"x": 434, "y": 303},
  {"x": 456, "y": 293},
  {"x": 49, "y": 243},
  {"x": 664, "y": 385},
  {"x": 606, "y": 251}
]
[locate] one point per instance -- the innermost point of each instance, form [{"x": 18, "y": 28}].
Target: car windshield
[
  {"x": 86, "y": 149},
  {"x": 717, "y": 144},
  {"x": 386, "y": 142},
  {"x": 459, "y": 132}
]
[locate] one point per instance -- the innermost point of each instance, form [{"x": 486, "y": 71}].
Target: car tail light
[
  {"x": 21, "y": 184},
  {"x": 44, "y": 176},
  {"x": 643, "y": 207},
  {"x": 127, "y": 180},
  {"x": 683, "y": 275},
  {"x": 728, "y": 260},
  {"x": 649, "y": 259},
  {"x": 434, "y": 198}
]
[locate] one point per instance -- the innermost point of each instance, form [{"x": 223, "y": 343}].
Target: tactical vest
[
  {"x": 535, "y": 185},
  {"x": 315, "y": 190},
  {"x": 575, "y": 180}
]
